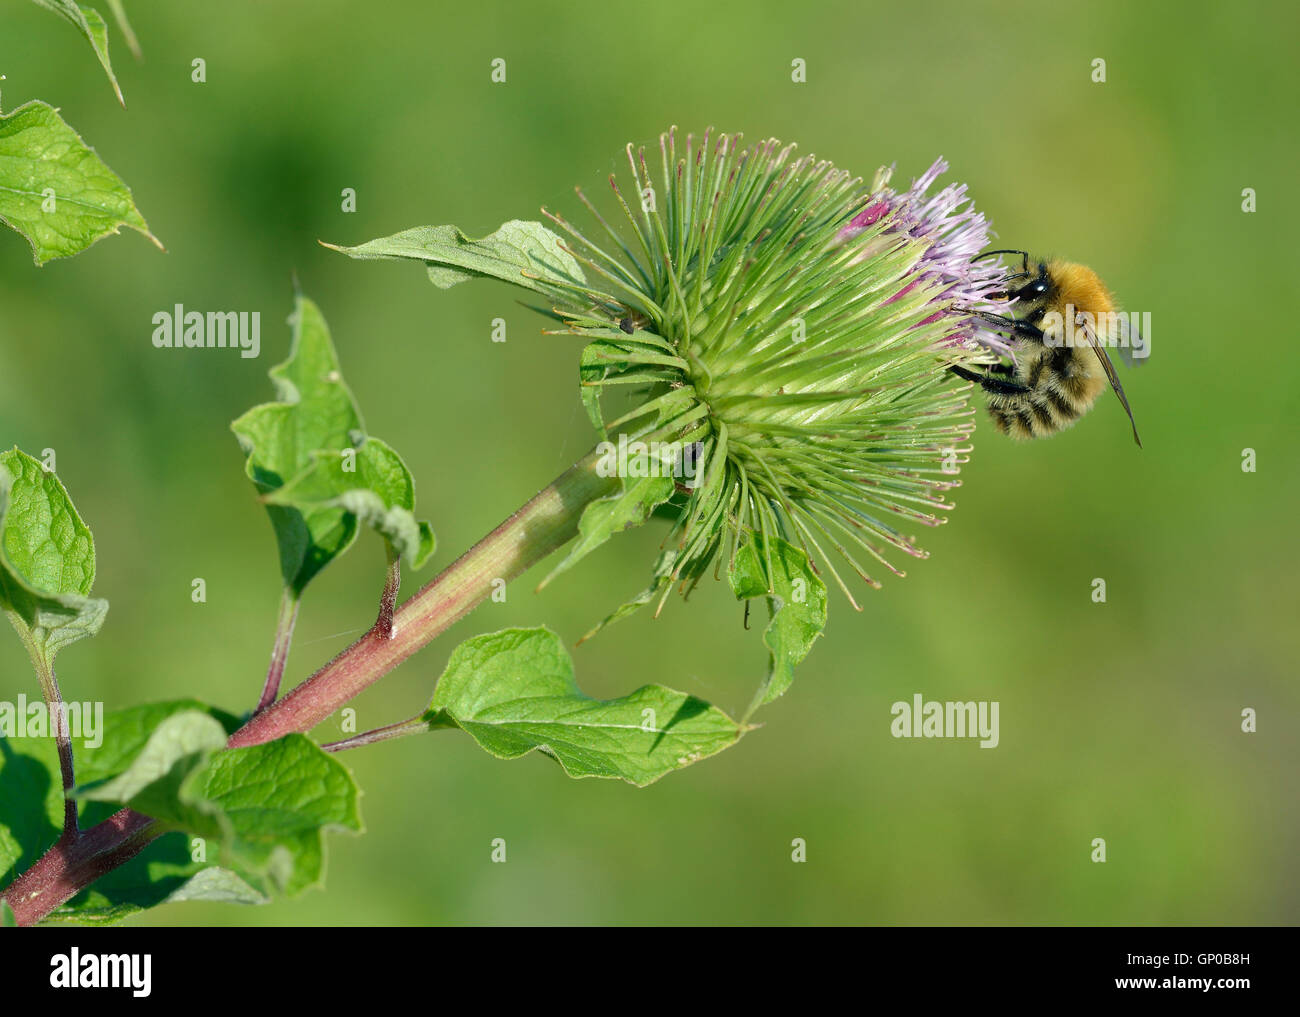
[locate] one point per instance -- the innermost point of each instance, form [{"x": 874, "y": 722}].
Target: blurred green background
[{"x": 1119, "y": 720}]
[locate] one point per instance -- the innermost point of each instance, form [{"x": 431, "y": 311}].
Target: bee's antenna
[
  {"x": 989, "y": 254},
  {"x": 1024, "y": 264}
]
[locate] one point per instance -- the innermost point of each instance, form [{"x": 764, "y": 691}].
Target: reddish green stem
[
  {"x": 416, "y": 725},
  {"x": 544, "y": 524},
  {"x": 280, "y": 651}
]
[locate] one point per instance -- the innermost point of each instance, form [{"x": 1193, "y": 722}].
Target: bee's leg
[
  {"x": 1018, "y": 328},
  {"x": 995, "y": 386}
]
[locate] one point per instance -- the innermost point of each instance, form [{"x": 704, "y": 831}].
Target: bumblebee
[{"x": 1064, "y": 316}]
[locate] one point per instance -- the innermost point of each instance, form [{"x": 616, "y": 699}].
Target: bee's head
[
  {"x": 1037, "y": 286},
  {"x": 1030, "y": 285}
]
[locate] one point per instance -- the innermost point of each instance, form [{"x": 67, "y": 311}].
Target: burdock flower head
[
  {"x": 785, "y": 331},
  {"x": 767, "y": 363}
]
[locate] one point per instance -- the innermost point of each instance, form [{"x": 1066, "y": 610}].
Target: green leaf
[
  {"x": 273, "y": 803},
  {"x": 176, "y": 748},
  {"x": 513, "y": 691},
  {"x": 796, "y": 603},
  {"x": 7, "y": 920},
  {"x": 31, "y": 815},
  {"x": 523, "y": 253},
  {"x": 268, "y": 807},
  {"x": 89, "y": 23},
  {"x": 47, "y": 560},
  {"x": 264, "y": 808},
  {"x": 55, "y": 190},
  {"x": 320, "y": 475},
  {"x": 214, "y": 883}
]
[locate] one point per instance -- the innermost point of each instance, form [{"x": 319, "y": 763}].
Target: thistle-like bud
[{"x": 785, "y": 331}]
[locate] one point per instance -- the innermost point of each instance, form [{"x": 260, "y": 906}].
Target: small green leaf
[
  {"x": 523, "y": 253},
  {"x": 513, "y": 691},
  {"x": 264, "y": 808},
  {"x": 613, "y": 514},
  {"x": 89, "y": 23},
  {"x": 268, "y": 807},
  {"x": 45, "y": 542},
  {"x": 7, "y": 920},
  {"x": 796, "y": 602},
  {"x": 320, "y": 475},
  {"x": 47, "y": 559},
  {"x": 55, "y": 190}
]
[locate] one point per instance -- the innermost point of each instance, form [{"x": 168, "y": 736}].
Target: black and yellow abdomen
[{"x": 1061, "y": 386}]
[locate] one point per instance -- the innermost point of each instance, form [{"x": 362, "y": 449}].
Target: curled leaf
[
  {"x": 796, "y": 603},
  {"x": 513, "y": 691},
  {"x": 47, "y": 559},
  {"x": 523, "y": 253},
  {"x": 90, "y": 24},
  {"x": 321, "y": 476},
  {"x": 265, "y": 808}
]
